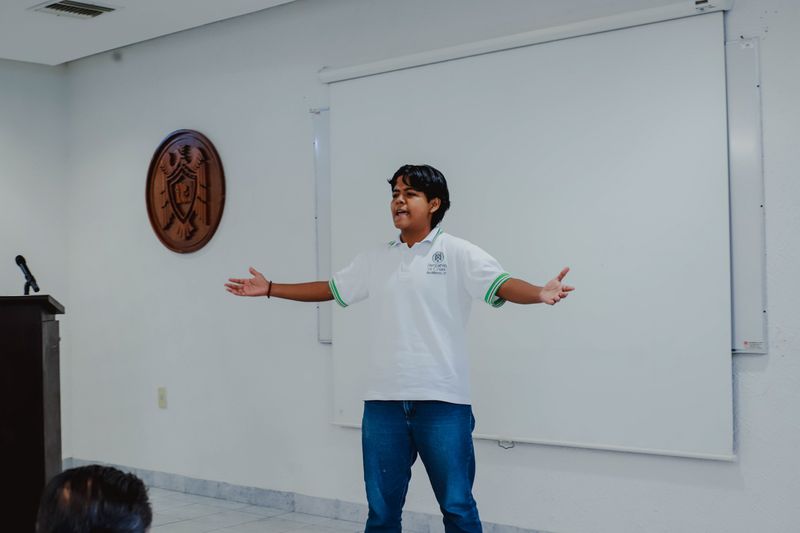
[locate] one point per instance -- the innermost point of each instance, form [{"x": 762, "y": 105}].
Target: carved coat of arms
[{"x": 185, "y": 191}]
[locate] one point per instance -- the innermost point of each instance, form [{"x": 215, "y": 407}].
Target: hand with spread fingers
[
  {"x": 255, "y": 286},
  {"x": 554, "y": 291}
]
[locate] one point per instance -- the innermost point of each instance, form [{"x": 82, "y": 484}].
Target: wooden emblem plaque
[{"x": 185, "y": 191}]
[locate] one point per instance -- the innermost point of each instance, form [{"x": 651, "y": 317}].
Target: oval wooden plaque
[{"x": 185, "y": 191}]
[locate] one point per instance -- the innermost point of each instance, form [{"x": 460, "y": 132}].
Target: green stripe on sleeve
[
  {"x": 335, "y": 291},
  {"x": 491, "y": 295}
]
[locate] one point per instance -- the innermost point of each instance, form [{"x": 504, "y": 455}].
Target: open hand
[
  {"x": 255, "y": 286},
  {"x": 554, "y": 291}
]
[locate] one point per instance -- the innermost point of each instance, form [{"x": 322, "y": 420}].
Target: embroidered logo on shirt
[{"x": 437, "y": 264}]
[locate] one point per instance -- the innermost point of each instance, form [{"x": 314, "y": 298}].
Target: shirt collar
[{"x": 435, "y": 232}]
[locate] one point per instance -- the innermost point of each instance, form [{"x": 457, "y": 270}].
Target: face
[{"x": 410, "y": 208}]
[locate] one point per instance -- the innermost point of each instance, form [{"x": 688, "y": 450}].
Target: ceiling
[{"x": 36, "y": 37}]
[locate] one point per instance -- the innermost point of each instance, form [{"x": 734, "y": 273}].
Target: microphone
[{"x": 28, "y": 276}]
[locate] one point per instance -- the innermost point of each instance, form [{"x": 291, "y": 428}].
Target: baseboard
[{"x": 289, "y": 501}]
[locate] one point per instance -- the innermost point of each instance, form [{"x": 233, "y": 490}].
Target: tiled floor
[{"x": 176, "y": 512}]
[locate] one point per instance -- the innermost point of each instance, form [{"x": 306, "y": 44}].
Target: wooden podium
[{"x": 30, "y": 405}]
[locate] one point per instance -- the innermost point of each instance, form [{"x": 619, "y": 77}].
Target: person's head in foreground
[
  {"x": 94, "y": 499},
  {"x": 419, "y": 197}
]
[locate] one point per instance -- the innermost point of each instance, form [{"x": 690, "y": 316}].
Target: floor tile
[{"x": 177, "y": 512}]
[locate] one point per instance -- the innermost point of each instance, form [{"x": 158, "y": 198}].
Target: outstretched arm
[
  {"x": 521, "y": 292},
  {"x": 258, "y": 285}
]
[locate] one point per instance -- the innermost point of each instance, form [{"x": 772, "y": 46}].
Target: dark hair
[
  {"x": 428, "y": 180},
  {"x": 94, "y": 499}
]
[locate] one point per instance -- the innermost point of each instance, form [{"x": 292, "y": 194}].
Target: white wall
[
  {"x": 34, "y": 179},
  {"x": 249, "y": 387},
  {"x": 33, "y": 176}
]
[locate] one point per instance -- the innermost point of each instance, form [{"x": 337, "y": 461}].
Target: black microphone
[{"x": 28, "y": 276}]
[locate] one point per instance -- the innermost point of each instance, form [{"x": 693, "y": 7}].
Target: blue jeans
[{"x": 393, "y": 433}]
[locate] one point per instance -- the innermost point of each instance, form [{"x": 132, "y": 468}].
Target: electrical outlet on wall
[{"x": 162, "y": 397}]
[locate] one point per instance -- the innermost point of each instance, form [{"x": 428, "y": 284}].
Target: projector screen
[{"x": 606, "y": 153}]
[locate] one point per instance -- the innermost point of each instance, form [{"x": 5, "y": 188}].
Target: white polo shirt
[{"x": 420, "y": 300}]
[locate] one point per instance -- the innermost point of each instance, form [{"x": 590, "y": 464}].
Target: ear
[{"x": 434, "y": 205}]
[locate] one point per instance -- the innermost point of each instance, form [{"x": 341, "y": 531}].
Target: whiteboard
[
  {"x": 607, "y": 153},
  {"x": 748, "y": 237},
  {"x": 322, "y": 213}
]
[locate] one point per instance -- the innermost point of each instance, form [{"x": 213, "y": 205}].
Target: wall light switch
[{"x": 162, "y": 397}]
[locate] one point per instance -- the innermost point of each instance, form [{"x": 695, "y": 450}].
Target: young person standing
[{"x": 420, "y": 289}]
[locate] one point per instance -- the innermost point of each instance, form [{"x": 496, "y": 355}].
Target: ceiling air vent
[{"x": 69, "y": 8}]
